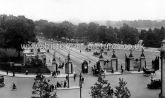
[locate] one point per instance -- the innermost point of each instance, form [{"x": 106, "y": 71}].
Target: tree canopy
[
  {"x": 16, "y": 31},
  {"x": 94, "y": 32}
]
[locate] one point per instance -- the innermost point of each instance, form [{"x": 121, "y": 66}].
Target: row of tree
[
  {"x": 15, "y": 31},
  {"x": 140, "y": 24},
  {"x": 94, "y": 32}
]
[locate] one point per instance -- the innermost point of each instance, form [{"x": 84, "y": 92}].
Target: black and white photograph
[{"x": 82, "y": 48}]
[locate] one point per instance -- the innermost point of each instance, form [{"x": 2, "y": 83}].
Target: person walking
[
  {"x": 67, "y": 77},
  {"x": 121, "y": 68},
  {"x": 13, "y": 73},
  {"x": 82, "y": 79},
  {"x": 74, "y": 77},
  {"x": 65, "y": 84}
]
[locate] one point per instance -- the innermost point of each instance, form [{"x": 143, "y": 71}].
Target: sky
[{"x": 85, "y": 10}]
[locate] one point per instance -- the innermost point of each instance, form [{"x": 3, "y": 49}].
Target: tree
[
  {"x": 151, "y": 39},
  {"x": 42, "y": 88},
  {"x": 82, "y": 30},
  {"x": 92, "y": 32},
  {"x": 101, "y": 89},
  {"x": 128, "y": 35},
  {"x": 102, "y": 33},
  {"x": 122, "y": 91},
  {"x": 17, "y": 31}
]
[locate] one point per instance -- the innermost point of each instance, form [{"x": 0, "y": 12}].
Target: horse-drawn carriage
[
  {"x": 148, "y": 72},
  {"x": 155, "y": 84},
  {"x": 97, "y": 71}
]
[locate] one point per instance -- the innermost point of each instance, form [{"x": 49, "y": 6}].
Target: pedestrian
[
  {"x": 52, "y": 73},
  {"x": 64, "y": 84},
  {"x": 66, "y": 77},
  {"x": 74, "y": 77},
  {"x": 26, "y": 72},
  {"x": 58, "y": 84},
  {"x": 55, "y": 73},
  {"x": 62, "y": 65},
  {"x": 82, "y": 79},
  {"x": 52, "y": 87},
  {"x": 13, "y": 73},
  {"x": 112, "y": 70},
  {"x": 7, "y": 71},
  {"x": 121, "y": 68},
  {"x": 151, "y": 78}
]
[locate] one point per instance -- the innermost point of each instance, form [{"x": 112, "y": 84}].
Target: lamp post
[
  {"x": 68, "y": 79},
  {"x": 80, "y": 83},
  {"x": 162, "y": 54},
  {"x": 68, "y": 67}
]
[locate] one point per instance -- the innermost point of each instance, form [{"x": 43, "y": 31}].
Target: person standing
[
  {"x": 64, "y": 84},
  {"x": 74, "y": 77},
  {"x": 26, "y": 72},
  {"x": 121, "y": 68},
  {"x": 7, "y": 71},
  {"x": 13, "y": 73}
]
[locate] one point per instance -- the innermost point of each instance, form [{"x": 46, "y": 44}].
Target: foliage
[
  {"x": 94, "y": 32},
  {"x": 102, "y": 89},
  {"x": 16, "y": 31},
  {"x": 42, "y": 88},
  {"x": 122, "y": 91}
]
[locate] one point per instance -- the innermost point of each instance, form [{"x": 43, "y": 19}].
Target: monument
[
  {"x": 68, "y": 65},
  {"x": 54, "y": 63},
  {"x": 142, "y": 60},
  {"x": 131, "y": 61},
  {"x": 114, "y": 61},
  {"x": 101, "y": 61}
]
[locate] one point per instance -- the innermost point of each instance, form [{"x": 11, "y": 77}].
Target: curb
[
  {"x": 30, "y": 75},
  {"x": 70, "y": 88},
  {"x": 124, "y": 73}
]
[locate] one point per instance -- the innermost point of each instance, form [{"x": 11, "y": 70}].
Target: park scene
[{"x": 42, "y": 58}]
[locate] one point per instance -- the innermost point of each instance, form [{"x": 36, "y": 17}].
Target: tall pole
[
  {"x": 162, "y": 94},
  {"x": 68, "y": 68},
  {"x": 68, "y": 79},
  {"x": 80, "y": 84}
]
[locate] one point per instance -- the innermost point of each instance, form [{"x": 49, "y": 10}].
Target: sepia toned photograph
[{"x": 82, "y": 49}]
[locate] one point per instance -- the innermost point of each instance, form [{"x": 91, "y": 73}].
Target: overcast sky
[{"x": 85, "y": 10}]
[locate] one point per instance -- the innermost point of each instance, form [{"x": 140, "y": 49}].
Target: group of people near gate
[
  {"x": 55, "y": 73},
  {"x": 61, "y": 84}
]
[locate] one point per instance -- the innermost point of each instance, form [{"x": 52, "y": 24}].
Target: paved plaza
[{"x": 137, "y": 84}]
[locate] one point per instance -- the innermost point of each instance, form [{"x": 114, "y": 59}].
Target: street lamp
[
  {"x": 162, "y": 54},
  {"x": 68, "y": 67},
  {"x": 80, "y": 83}
]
